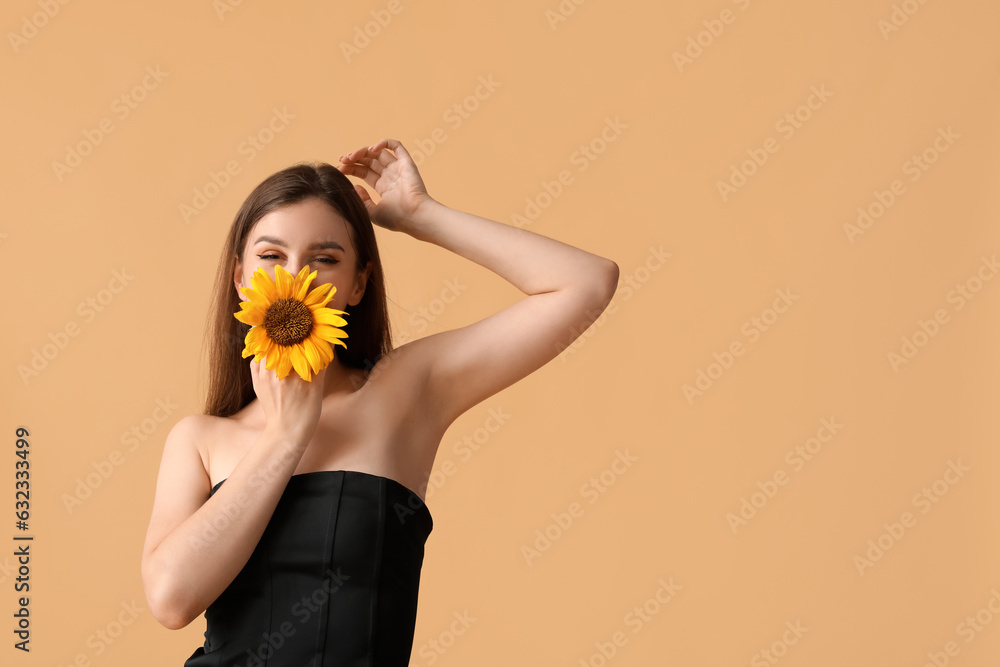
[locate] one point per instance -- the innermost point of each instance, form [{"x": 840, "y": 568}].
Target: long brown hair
[{"x": 230, "y": 387}]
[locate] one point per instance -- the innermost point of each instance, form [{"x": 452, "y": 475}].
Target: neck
[{"x": 341, "y": 379}]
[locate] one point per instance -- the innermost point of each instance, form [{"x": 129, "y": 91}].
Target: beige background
[{"x": 652, "y": 190}]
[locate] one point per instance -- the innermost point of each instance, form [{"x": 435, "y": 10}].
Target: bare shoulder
[{"x": 192, "y": 435}]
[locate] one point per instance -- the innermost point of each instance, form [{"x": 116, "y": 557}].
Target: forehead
[{"x": 301, "y": 225}]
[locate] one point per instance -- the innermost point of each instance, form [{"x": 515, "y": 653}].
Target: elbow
[
  {"x": 605, "y": 283},
  {"x": 165, "y": 602},
  {"x": 168, "y": 611},
  {"x": 170, "y": 617},
  {"x": 613, "y": 274}
]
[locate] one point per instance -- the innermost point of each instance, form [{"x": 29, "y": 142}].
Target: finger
[
  {"x": 383, "y": 159},
  {"x": 381, "y": 153},
  {"x": 375, "y": 164},
  {"x": 357, "y": 152},
  {"x": 254, "y": 374},
  {"x": 364, "y": 154},
  {"x": 365, "y": 197},
  {"x": 377, "y": 147},
  {"x": 398, "y": 148},
  {"x": 362, "y": 172}
]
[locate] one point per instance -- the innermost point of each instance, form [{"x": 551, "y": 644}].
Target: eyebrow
[{"x": 315, "y": 246}]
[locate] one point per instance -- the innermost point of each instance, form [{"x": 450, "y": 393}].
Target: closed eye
[{"x": 325, "y": 260}]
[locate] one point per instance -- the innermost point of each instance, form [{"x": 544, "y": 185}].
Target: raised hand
[{"x": 387, "y": 167}]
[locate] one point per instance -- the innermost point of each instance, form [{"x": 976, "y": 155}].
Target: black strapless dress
[{"x": 332, "y": 583}]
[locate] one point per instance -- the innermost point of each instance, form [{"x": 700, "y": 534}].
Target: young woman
[{"x": 292, "y": 512}]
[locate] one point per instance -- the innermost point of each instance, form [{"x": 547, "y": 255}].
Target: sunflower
[{"x": 290, "y": 328}]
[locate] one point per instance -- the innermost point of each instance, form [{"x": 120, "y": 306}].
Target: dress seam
[
  {"x": 330, "y": 541},
  {"x": 270, "y": 598},
  {"x": 376, "y": 572}
]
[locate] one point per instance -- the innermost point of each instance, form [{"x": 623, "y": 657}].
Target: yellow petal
[
  {"x": 283, "y": 281},
  {"x": 284, "y": 365},
  {"x": 317, "y": 294},
  {"x": 325, "y": 351},
  {"x": 326, "y": 332},
  {"x": 330, "y": 334},
  {"x": 258, "y": 299},
  {"x": 312, "y": 355},
  {"x": 261, "y": 281},
  {"x": 275, "y": 354},
  {"x": 299, "y": 362},
  {"x": 247, "y": 304},
  {"x": 302, "y": 283},
  {"x": 251, "y": 316},
  {"x": 266, "y": 352},
  {"x": 257, "y": 339},
  {"x": 328, "y": 316}
]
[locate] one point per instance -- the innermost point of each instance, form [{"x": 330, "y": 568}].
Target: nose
[{"x": 293, "y": 266}]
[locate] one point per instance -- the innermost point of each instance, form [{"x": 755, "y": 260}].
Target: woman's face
[{"x": 307, "y": 232}]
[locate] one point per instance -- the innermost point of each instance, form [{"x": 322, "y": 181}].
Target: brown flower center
[{"x": 288, "y": 321}]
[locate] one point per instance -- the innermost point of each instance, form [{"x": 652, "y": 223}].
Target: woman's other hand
[{"x": 387, "y": 167}]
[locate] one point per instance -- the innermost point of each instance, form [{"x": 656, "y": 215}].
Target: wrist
[
  {"x": 292, "y": 439},
  {"x": 424, "y": 216}
]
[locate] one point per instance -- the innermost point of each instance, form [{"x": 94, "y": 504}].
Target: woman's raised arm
[{"x": 567, "y": 288}]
